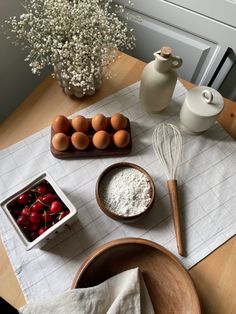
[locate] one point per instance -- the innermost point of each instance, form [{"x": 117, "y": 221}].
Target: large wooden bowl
[
  {"x": 169, "y": 284},
  {"x": 124, "y": 219}
]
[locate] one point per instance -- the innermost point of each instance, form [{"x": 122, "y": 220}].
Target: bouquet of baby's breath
[{"x": 77, "y": 36}]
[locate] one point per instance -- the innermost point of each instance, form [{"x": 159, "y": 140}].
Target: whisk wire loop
[{"x": 167, "y": 144}]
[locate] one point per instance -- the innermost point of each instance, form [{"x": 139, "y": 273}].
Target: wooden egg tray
[{"x": 92, "y": 151}]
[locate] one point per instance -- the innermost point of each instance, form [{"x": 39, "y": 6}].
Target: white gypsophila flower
[{"x": 78, "y": 37}]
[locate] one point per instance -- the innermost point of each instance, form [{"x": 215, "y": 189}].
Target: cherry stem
[
  {"x": 36, "y": 192},
  {"x": 59, "y": 218},
  {"x": 43, "y": 203},
  {"x": 45, "y": 223},
  {"x": 59, "y": 213},
  {"x": 38, "y": 200}
]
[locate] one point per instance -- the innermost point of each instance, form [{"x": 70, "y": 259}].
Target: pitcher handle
[{"x": 176, "y": 62}]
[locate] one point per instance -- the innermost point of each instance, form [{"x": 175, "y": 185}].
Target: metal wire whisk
[{"x": 167, "y": 144}]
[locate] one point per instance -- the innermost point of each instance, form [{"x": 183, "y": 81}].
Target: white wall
[{"x": 16, "y": 79}]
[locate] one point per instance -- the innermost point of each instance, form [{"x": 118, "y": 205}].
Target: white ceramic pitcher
[{"x": 158, "y": 80}]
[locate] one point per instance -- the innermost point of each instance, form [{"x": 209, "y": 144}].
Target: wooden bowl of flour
[{"x": 125, "y": 192}]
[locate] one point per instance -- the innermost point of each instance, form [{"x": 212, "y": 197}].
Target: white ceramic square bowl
[{"x": 50, "y": 233}]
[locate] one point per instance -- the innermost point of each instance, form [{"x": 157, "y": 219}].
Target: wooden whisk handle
[{"x": 173, "y": 194}]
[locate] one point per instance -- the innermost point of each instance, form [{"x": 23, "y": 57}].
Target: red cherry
[
  {"x": 26, "y": 211},
  {"x": 36, "y": 207},
  {"x": 46, "y": 216},
  {"x": 42, "y": 189},
  {"x": 23, "y": 221},
  {"x": 34, "y": 226},
  {"x": 56, "y": 207},
  {"x": 43, "y": 229},
  {"x": 23, "y": 198},
  {"x": 36, "y": 217},
  {"x": 64, "y": 214},
  {"x": 48, "y": 198}
]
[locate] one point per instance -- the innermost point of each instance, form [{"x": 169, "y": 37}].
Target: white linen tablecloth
[{"x": 207, "y": 190}]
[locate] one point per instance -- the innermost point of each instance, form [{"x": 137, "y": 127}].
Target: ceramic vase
[{"x": 77, "y": 91}]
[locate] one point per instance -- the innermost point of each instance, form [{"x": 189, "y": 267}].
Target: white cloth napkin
[{"x": 123, "y": 293}]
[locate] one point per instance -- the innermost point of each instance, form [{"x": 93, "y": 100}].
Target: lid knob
[{"x": 207, "y": 96}]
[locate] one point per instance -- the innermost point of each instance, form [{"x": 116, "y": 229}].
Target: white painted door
[
  {"x": 220, "y": 10},
  {"x": 202, "y": 41}
]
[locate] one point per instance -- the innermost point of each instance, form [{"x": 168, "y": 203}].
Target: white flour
[{"x": 125, "y": 191}]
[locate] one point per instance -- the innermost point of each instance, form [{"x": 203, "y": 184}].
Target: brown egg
[
  {"x": 119, "y": 121},
  {"x": 101, "y": 139},
  {"x": 60, "y": 142},
  {"x": 121, "y": 138},
  {"x": 80, "y": 140},
  {"x": 61, "y": 124},
  {"x": 99, "y": 122},
  {"x": 80, "y": 123}
]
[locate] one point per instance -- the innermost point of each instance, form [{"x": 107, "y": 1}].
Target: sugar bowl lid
[{"x": 204, "y": 101}]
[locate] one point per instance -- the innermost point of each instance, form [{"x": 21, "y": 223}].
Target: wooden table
[{"x": 214, "y": 277}]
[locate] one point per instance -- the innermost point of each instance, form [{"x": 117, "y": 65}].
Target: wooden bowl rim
[
  {"x": 125, "y": 219},
  {"x": 140, "y": 241}
]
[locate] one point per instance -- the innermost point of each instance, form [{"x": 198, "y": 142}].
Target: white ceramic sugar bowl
[{"x": 202, "y": 106}]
